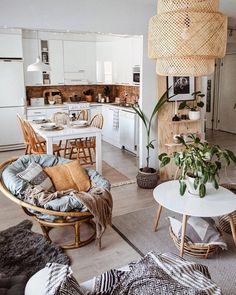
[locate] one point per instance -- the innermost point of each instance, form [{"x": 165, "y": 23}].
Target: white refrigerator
[{"x": 12, "y": 101}]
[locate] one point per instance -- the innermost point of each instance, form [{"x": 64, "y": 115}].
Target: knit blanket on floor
[{"x": 157, "y": 274}]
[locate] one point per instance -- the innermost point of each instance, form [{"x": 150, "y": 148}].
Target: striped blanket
[{"x": 163, "y": 274}]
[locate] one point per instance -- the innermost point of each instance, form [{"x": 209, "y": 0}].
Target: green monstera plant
[{"x": 199, "y": 161}]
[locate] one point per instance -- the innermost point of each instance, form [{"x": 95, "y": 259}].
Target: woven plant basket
[
  {"x": 194, "y": 250},
  {"x": 147, "y": 180},
  {"x": 224, "y": 223}
]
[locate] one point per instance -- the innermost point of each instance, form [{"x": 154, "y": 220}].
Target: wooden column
[{"x": 167, "y": 128}]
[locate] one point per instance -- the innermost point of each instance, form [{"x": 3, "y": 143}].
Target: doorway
[{"x": 225, "y": 101}]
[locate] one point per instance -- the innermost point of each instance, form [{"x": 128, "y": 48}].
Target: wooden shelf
[
  {"x": 173, "y": 144},
  {"x": 186, "y": 121}
]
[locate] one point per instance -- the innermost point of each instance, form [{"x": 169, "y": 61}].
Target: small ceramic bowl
[{"x": 51, "y": 101}]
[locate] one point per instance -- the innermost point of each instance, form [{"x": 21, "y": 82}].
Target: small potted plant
[
  {"x": 194, "y": 110},
  {"x": 147, "y": 176},
  {"x": 199, "y": 164},
  {"x": 88, "y": 95},
  {"x": 106, "y": 93}
]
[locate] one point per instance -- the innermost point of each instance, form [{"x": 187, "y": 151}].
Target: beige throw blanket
[{"x": 98, "y": 201}]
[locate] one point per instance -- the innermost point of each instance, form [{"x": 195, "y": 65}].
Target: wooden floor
[{"x": 89, "y": 261}]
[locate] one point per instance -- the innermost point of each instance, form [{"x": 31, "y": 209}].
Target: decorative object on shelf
[
  {"x": 107, "y": 93},
  {"x": 147, "y": 177},
  {"x": 88, "y": 95},
  {"x": 38, "y": 66},
  {"x": 186, "y": 37},
  {"x": 194, "y": 112},
  {"x": 175, "y": 118},
  {"x": 182, "y": 87},
  {"x": 199, "y": 164}
]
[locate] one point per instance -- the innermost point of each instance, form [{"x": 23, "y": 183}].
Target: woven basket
[
  {"x": 224, "y": 223},
  {"x": 147, "y": 180},
  {"x": 194, "y": 250}
]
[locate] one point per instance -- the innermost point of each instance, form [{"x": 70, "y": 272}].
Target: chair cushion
[
  {"x": 35, "y": 175},
  {"x": 199, "y": 231},
  {"x": 14, "y": 183},
  {"x": 68, "y": 176}
]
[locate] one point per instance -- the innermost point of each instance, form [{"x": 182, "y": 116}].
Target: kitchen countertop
[
  {"x": 112, "y": 105},
  {"x": 46, "y": 106}
]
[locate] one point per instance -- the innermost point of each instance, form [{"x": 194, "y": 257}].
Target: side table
[{"x": 215, "y": 203}]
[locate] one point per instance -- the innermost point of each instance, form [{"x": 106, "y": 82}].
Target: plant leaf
[
  {"x": 202, "y": 190},
  {"x": 182, "y": 105},
  {"x": 196, "y": 183},
  {"x": 182, "y": 187},
  {"x": 231, "y": 155},
  {"x": 165, "y": 161},
  {"x": 200, "y": 104}
]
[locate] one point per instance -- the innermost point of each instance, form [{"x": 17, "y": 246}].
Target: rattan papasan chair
[{"x": 14, "y": 187}]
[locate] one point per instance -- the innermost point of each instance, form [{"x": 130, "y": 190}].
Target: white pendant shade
[{"x": 38, "y": 66}]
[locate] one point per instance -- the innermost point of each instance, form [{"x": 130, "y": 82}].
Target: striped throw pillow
[{"x": 35, "y": 175}]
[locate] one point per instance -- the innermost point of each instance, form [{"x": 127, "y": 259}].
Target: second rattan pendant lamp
[{"x": 186, "y": 36}]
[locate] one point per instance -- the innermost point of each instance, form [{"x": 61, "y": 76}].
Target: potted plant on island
[
  {"x": 199, "y": 164},
  {"x": 88, "y": 95},
  {"x": 147, "y": 176},
  {"x": 194, "y": 112}
]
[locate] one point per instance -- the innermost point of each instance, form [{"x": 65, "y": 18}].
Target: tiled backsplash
[{"x": 131, "y": 93}]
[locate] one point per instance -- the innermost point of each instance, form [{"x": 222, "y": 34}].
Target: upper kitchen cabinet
[
  {"x": 31, "y": 52},
  {"x": 137, "y": 50},
  {"x": 55, "y": 48},
  {"x": 11, "y": 43},
  {"x": 122, "y": 61},
  {"x": 79, "y": 62},
  {"x": 104, "y": 62}
]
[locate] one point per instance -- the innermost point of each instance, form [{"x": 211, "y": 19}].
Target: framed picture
[{"x": 183, "y": 87}]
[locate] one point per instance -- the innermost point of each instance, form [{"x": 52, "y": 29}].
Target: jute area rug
[
  {"x": 136, "y": 229},
  {"x": 23, "y": 252},
  {"x": 115, "y": 177}
]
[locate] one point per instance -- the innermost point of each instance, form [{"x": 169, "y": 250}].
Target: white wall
[{"x": 106, "y": 16}]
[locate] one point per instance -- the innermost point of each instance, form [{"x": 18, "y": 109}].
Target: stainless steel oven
[{"x": 136, "y": 75}]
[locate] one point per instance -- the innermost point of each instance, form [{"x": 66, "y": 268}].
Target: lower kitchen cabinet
[
  {"x": 120, "y": 129},
  {"x": 128, "y": 128},
  {"x": 111, "y": 131}
]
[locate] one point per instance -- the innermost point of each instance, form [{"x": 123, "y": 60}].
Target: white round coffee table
[{"x": 215, "y": 203}]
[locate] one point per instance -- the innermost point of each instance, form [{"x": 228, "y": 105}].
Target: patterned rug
[
  {"x": 23, "y": 252},
  {"x": 136, "y": 229}
]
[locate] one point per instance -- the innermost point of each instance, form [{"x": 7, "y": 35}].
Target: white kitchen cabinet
[
  {"x": 136, "y": 51},
  {"x": 122, "y": 61},
  {"x": 30, "y": 53},
  {"x": 109, "y": 133},
  {"x": 104, "y": 62},
  {"x": 128, "y": 130},
  {"x": 56, "y": 62},
  {"x": 79, "y": 58},
  {"x": 11, "y": 43}
]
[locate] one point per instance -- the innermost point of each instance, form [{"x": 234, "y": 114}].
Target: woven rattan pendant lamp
[{"x": 186, "y": 36}]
